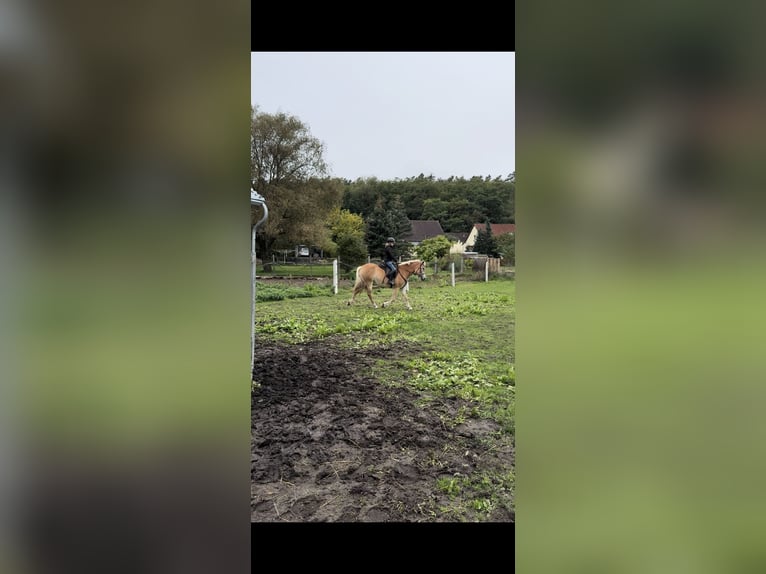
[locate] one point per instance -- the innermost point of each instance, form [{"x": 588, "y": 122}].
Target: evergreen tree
[
  {"x": 388, "y": 219},
  {"x": 400, "y": 223},
  {"x": 485, "y": 242},
  {"x": 377, "y": 228},
  {"x": 506, "y": 245}
]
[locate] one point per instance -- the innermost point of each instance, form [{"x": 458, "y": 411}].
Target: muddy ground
[{"x": 329, "y": 443}]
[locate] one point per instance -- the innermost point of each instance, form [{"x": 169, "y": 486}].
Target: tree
[
  {"x": 455, "y": 202},
  {"x": 485, "y": 242},
  {"x": 400, "y": 223},
  {"x": 436, "y": 209},
  {"x": 433, "y": 248},
  {"x": 288, "y": 169},
  {"x": 506, "y": 246},
  {"x": 347, "y": 232},
  {"x": 351, "y": 250},
  {"x": 388, "y": 219}
]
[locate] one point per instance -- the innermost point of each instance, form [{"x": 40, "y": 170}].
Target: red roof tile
[{"x": 497, "y": 228}]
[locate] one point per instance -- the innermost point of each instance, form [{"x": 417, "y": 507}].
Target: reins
[{"x": 406, "y": 279}]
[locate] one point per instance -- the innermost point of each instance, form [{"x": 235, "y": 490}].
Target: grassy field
[{"x": 457, "y": 342}]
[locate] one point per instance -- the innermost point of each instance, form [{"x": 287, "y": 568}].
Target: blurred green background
[
  {"x": 640, "y": 278},
  {"x": 125, "y": 291}
]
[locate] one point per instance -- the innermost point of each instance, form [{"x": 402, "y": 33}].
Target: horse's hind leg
[{"x": 356, "y": 290}]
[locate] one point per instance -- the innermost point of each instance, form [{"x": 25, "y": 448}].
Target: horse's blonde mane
[{"x": 410, "y": 261}]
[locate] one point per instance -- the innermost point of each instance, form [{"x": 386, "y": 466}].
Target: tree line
[
  {"x": 456, "y": 203},
  {"x": 353, "y": 218}
]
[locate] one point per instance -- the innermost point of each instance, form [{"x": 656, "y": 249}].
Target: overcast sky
[{"x": 397, "y": 114}]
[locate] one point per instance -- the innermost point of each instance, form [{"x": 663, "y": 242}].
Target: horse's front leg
[
  {"x": 406, "y": 299},
  {"x": 393, "y": 297}
]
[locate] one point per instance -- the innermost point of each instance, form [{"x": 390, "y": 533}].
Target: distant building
[
  {"x": 497, "y": 229},
  {"x": 423, "y": 229}
]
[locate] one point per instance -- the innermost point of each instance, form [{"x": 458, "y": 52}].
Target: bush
[
  {"x": 351, "y": 250},
  {"x": 433, "y": 248}
]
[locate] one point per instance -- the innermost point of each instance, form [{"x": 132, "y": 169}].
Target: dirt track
[{"x": 329, "y": 443}]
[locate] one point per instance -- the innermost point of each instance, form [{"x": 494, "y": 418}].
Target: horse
[{"x": 371, "y": 274}]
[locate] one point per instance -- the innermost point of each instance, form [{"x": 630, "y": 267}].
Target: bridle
[{"x": 422, "y": 271}]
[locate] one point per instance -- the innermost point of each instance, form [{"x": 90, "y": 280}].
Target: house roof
[
  {"x": 461, "y": 237},
  {"x": 423, "y": 229},
  {"x": 497, "y": 228}
]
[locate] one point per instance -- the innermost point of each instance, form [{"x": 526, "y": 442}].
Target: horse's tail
[{"x": 358, "y": 278}]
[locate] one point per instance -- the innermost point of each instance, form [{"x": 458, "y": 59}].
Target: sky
[{"x": 395, "y": 115}]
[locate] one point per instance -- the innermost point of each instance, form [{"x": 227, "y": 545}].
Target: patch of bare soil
[{"x": 329, "y": 443}]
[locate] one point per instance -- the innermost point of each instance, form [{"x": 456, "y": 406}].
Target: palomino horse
[{"x": 371, "y": 274}]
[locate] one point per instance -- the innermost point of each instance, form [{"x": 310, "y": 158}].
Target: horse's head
[{"x": 422, "y": 271}]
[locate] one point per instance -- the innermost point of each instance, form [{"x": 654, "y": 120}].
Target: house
[
  {"x": 497, "y": 229},
  {"x": 423, "y": 229}
]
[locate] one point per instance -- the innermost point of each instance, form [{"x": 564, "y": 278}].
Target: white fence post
[
  {"x": 452, "y": 269},
  {"x": 255, "y": 199},
  {"x": 486, "y": 271},
  {"x": 335, "y": 276}
]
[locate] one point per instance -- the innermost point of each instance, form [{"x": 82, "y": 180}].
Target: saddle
[{"x": 387, "y": 271}]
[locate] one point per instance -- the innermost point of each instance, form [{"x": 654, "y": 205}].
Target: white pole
[
  {"x": 335, "y": 276},
  {"x": 486, "y": 270},
  {"x": 255, "y": 199},
  {"x": 452, "y": 268}
]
